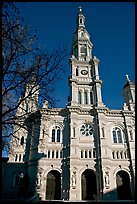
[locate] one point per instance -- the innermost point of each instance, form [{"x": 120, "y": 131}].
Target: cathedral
[{"x": 84, "y": 151}]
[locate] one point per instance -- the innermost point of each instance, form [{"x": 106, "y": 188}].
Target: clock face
[
  {"x": 86, "y": 129},
  {"x": 84, "y": 72}
]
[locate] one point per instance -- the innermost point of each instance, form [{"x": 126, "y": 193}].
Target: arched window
[
  {"x": 22, "y": 140},
  {"x": 20, "y": 157},
  {"x": 81, "y": 153},
  {"x": 117, "y": 136},
  {"x": 57, "y": 154},
  {"x": 79, "y": 97},
  {"x": 48, "y": 153},
  {"x": 53, "y": 135},
  {"x": 52, "y": 153},
  {"x": 89, "y": 153},
  {"x": 16, "y": 157},
  {"x": 86, "y": 155},
  {"x": 91, "y": 97},
  {"x": 86, "y": 97},
  {"x": 56, "y": 134},
  {"x": 94, "y": 154},
  {"x": 76, "y": 71},
  {"x": 83, "y": 50}
]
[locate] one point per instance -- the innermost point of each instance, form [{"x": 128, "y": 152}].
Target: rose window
[{"x": 86, "y": 129}]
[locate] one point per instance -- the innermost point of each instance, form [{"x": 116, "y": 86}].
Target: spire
[
  {"x": 81, "y": 45},
  {"x": 80, "y": 18}
]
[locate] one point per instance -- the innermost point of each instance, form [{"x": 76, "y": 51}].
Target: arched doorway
[
  {"x": 53, "y": 187},
  {"x": 88, "y": 185},
  {"x": 123, "y": 186}
]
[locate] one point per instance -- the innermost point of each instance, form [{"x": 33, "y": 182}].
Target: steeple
[
  {"x": 85, "y": 85},
  {"x": 80, "y": 18},
  {"x": 129, "y": 94},
  {"x": 81, "y": 45}
]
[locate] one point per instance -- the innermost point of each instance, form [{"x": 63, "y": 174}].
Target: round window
[{"x": 86, "y": 129}]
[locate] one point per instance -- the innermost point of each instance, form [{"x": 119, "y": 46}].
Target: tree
[{"x": 23, "y": 61}]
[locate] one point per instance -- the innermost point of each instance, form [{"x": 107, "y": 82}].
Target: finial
[
  {"x": 80, "y": 9},
  {"x": 127, "y": 78}
]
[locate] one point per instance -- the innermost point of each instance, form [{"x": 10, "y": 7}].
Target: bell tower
[{"x": 85, "y": 85}]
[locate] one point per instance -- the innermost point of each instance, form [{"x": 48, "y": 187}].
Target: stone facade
[{"x": 81, "y": 152}]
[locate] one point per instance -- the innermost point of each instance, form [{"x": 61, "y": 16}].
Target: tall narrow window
[
  {"x": 48, "y": 153},
  {"x": 114, "y": 136},
  {"x": 61, "y": 154},
  {"x": 81, "y": 153},
  {"x": 53, "y": 135},
  {"x": 52, "y": 153},
  {"x": 76, "y": 71},
  {"x": 58, "y": 135},
  {"x": 91, "y": 97},
  {"x": 86, "y": 97},
  {"x": 20, "y": 157},
  {"x": 22, "y": 140},
  {"x": 131, "y": 135},
  {"x": 119, "y": 136},
  {"x": 57, "y": 154},
  {"x": 113, "y": 155},
  {"x": 79, "y": 97},
  {"x": 74, "y": 132},
  {"x": 94, "y": 154},
  {"x": 89, "y": 153},
  {"x": 103, "y": 133},
  {"x": 16, "y": 157},
  {"x": 86, "y": 154}
]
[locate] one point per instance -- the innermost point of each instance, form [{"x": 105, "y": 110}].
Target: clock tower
[{"x": 85, "y": 85}]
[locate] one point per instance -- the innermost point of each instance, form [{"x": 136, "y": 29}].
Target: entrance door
[
  {"x": 53, "y": 188},
  {"x": 123, "y": 185},
  {"x": 88, "y": 185}
]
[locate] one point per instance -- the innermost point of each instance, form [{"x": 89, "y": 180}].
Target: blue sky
[{"x": 111, "y": 26}]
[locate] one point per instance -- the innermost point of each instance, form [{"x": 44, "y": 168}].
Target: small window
[
  {"x": 48, "y": 153},
  {"x": 94, "y": 154},
  {"x": 74, "y": 132},
  {"x": 119, "y": 136},
  {"x": 121, "y": 155},
  {"x": 61, "y": 154},
  {"x": 114, "y": 137},
  {"x": 57, "y": 154},
  {"x": 117, "y": 153},
  {"x": 16, "y": 157},
  {"x": 89, "y": 154},
  {"x": 76, "y": 71},
  {"x": 91, "y": 97},
  {"x": 103, "y": 133},
  {"x": 53, "y": 135},
  {"x": 80, "y": 20},
  {"x": 52, "y": 153},
  {"x": 81, "y": 154},
  {"x": 22, "y": 140},
  {"x": 113, "y": 155},
  {"x": 20, "y": 157},
  {"x": 131, "y": 135},
  {"x": 86, "y": 98},
  {"x": 86, "y": 154},
  {"x": 58, "y": 135},
  {"x": 79, "y": 97}
]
